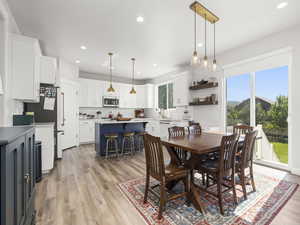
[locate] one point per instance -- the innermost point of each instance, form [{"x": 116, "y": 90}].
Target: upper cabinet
[
  {"x": 181, "y": 93},
  {"x": 25, "y": 58},
  {"x": 90, "y": 93},
  {"x": 145, "y": 96},
  {"x": 67, "y": 71},
  {"x": 48, "y": 70}
]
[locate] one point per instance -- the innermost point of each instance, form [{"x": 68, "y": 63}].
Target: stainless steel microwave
[{"x": 110, "y": 101}]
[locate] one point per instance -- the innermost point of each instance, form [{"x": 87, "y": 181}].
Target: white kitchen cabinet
[
  {"x": 145, "y": 96},
  {"x": 90, "y": 93},
  {"x": 44, "y": 132},
  {"x": 68, "y": 70},
  {"x": 48, "y": 70},
  {"x": 25, "y": 58},
  {"x": 181, "y": 93},
  {"x": 149, "y": 96},
  {"x": 86, "y": 131},
  {"x": 153, "y": 128}
]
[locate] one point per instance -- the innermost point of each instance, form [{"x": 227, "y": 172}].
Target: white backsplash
[
  {"x": 106, "y": 111},
  {"x": 173, "y": 114}
]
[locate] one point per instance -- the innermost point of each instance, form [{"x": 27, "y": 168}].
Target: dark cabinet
[{"x": 17, "y": 174}]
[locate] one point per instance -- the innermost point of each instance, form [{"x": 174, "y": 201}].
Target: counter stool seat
[
  {"x": 128, "y": 134},
  {"x": 111, "y": 145}
]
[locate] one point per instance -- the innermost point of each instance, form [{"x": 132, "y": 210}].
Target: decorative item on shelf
[
  {"x": 133, "y": 91},
  {"x": 208, "y": 100},
  {"x": 110, "y": 89},
  {"x": 204, "y": 85}
]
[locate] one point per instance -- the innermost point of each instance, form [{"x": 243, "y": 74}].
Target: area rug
[{"x": 259, "y": 209}]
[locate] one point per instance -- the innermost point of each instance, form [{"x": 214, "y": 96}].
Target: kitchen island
[{"x": 118, "y": 127}]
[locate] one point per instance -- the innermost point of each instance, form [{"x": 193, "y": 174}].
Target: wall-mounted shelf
[
  {"x": 203, "y": 86},
  {"x": 203, "y": 103}
]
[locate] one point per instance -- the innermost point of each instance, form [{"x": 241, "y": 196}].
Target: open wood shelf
[
  {"x": 202, "y": 103},
  {"x": 203, "y": 86}
]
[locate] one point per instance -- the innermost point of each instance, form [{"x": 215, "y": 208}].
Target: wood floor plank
[{"x": 82, "y": 190}]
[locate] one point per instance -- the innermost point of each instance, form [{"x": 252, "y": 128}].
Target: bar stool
[
  {"x": 111, "y": 145},
  {"x": 128, "y": 143},
  {"x": 140, "y": 140}
]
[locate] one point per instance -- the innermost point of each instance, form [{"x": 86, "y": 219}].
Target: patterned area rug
[{"x": 260, "y": 208}]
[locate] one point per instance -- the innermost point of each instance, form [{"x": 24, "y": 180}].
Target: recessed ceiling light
[
  {"x": 83, "y": 47},
  {"x": 155, "y": 65},
  {"x": 282, "y": 5},
  {"x": 77, "y": 61},
  {"x": 200, "y": 45},
  {"x": 140, "y": 19}
]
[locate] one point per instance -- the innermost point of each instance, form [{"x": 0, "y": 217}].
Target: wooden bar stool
[
  {"x": 111, "y": 145},
  {"x": 128, "y": 143},
  {"x": 140, "y": 141}
]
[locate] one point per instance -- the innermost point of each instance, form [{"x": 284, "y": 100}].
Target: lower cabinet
[
  {"x": 17, "y": 176},
  {"x": 86, "y": 131}
]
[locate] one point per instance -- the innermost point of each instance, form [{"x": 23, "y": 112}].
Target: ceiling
[{"x": 164, "y": 38}]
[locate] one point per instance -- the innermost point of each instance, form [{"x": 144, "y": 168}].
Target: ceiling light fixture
[
  {"x": 77, "y": 61},
  {"x": 132, "y": 89},
  {"x": 155, "y": 65},
  {"x": 282, "y": 5},
  {"x": 110, "y": 89},
  {"x": 140, "y": 19},
  {"x": 83, "y": 47},
  {"x": 195, "y": 60},
  {"x": 214, "y": 66},
  {"x": 200, "y": 45},
  {"x": 205, "y": 59}
]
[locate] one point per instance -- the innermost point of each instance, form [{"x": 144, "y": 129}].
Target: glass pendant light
[
  {"x": 133, "y": 91},
  {"x": 195, "y": 59},
  {"x": 205, "y": 59},
  {"x": 110, "y": 89},
  {"x": 214, "y": 65}
]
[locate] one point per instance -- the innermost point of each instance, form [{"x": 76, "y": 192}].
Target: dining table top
[{"x": 196, "y": 143}]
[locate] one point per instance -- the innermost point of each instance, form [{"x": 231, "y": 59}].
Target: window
[{"x": 165, "y": 96}]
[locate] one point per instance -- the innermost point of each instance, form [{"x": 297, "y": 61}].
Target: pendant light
[
  {"x": 205, "y": 59},
  {"x": 195, "y": 59},
  {"x": 214, "y": 65},
  {"x": 132, "y": 89},
  {"x": 110, "y": 89}
]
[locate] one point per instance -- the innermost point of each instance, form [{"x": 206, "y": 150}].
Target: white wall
[
  {"x": 284, "y": 39},
  {"x": 8, "y": 106}
]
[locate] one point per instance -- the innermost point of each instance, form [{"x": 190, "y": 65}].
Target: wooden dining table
[{"x": 196, "y": 145}]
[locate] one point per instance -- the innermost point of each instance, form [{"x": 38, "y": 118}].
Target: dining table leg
[{"x": 194, "y": 194}]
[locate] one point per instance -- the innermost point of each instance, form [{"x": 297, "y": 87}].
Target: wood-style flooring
[{"x": 82, "y": 190}]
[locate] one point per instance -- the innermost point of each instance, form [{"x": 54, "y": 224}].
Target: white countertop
[{"x": 130, "y": 121}]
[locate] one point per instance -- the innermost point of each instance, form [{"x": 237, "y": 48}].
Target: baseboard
[{"x": 295, "y": 171}]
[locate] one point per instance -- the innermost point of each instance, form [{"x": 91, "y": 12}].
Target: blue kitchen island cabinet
[{"x": 117, "y": 127}]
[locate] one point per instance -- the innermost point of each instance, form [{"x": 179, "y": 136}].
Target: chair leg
[
  {"x": 132, "y": 146},
  {"x": 219, "y": 185},
  {"x": 146, "y": 188},
  {"x": 123, "y": 146},
  {"x": 243, "y": 182},
  {"x": 117, "y": 149},
  {"x": 233, "y": 188},
  {"x": 252, "y": 178},
  {"x": 107, "y": 145},
  {"x": 162, "y": 199}
]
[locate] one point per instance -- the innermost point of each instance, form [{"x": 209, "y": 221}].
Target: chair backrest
[
  {"x": 176, "y": 131},
  {"x": 195, "y": 129},
  {"x": 242, "y": 129},
  {"x": 154, "y": 157},
  {"x": 227, "y": 153},
  {"x": 248, "y": 148}
]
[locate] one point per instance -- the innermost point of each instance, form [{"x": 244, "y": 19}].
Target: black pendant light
[
  {"x": 195, "y": 59},
  {"x": 110, "y": 89},
  {"x": 133, "y": 91}
]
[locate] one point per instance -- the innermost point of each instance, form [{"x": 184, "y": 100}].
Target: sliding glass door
[{"x": 260, "y": 99}]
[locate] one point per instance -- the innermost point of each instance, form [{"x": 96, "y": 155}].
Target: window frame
[{"x": 167, "y": 95}]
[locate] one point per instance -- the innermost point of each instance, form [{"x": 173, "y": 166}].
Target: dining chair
[
  {"x": 195, "y": 129},
  {"x": 156, "y": 168},
  {"x": 244, "y": 161},
  {"x": 222, "y": 170},
  {"x": 178, "y": 132}
]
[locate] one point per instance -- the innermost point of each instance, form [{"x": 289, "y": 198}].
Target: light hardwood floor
[{"x": 82, "y": 190}]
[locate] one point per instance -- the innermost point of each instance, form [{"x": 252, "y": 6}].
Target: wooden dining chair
[
  {"x": 195, "y": 129},
  {"x": 156, "y": 168},
  {"x": 242, "y": 129},
  {"x": 245, "y": 160},
  {"x": 178, "y": 132},
  {"x": 222, "y": 170}
]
